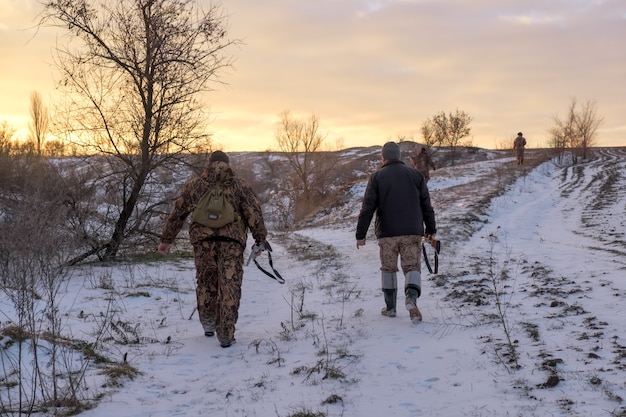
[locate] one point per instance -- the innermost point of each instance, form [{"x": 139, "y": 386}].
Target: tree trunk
[{"x": 120, "y": 226}]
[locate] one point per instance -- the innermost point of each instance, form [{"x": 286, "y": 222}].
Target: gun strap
[
  {"x": 437, "y": 248},
  {"x": 275, "y": 275}
]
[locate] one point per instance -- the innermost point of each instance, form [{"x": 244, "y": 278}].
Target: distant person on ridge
[
  {"x": 399, "y": 197},
  {"x": 422, "y": 162},
  {"x": 518, "y": 145},
  {"x": 218, "y": 253}
]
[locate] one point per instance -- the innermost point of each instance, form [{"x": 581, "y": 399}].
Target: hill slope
[{"x": 525, "y": 318}]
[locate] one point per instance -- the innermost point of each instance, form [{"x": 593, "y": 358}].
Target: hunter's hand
[
  {"x": 265, "y": 245},
  {"x": 359, "y": 243},
  {"x": 163, "y": 248}
]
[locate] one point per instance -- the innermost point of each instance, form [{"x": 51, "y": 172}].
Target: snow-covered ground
[{"x": 526, "y": 317}]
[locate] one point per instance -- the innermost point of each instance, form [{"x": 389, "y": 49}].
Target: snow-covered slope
[{"x": 526, "y": 317}]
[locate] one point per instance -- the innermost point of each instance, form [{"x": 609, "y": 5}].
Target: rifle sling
[
  {"x": 430, "y": 269},
  {"x": 275, "y": 275}
]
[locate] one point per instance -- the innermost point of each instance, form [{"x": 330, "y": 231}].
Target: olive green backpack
[{"x": 213, "y": 209}]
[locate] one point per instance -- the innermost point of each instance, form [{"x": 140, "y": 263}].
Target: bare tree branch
[{"x": 135, "y": 72}]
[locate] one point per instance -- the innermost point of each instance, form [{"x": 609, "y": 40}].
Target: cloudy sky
[{"x": 374, "y": 70}]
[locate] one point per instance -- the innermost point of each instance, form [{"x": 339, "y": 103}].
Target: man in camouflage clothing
[
  {"x": 218, "y": 253},
  {"x": 399, "y": 196},
  {"x": 423, "y": 162},
  {"x": 518, "y": 146}
]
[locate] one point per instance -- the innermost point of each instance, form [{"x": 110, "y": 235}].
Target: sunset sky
[{"x": 374, "y": 70}]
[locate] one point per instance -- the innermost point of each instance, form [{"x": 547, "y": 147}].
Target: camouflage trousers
[
  {"x": 219, "y": 275},
  {"x": 408, "y": 248}
]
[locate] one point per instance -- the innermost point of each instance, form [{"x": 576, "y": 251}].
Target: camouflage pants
[
  {"x": 408, "y": 248},
  {"x": 219, "y": 274}
]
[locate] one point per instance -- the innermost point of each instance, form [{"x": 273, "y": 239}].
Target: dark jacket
[
  {"x": 238, "y": 192},
  {"x": 399, "y": 196}
]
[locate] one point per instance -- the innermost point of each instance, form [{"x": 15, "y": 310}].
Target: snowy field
[{"x": 527, "y": 316}]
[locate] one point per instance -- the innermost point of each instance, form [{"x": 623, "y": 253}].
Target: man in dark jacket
[
  {"x": 218, "y": 253},
  {"x": 399, "y": 196}
]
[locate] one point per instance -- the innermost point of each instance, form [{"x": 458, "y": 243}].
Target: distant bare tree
[
  {"x": 587, "y": 124},
  {"x": 55, "y": 147},
  {"x": 447, "y": 130},
  {"x": 311, "y": 164},
  {"x": 39, "y": 121},
  {"x": 431, "y": 136},
  {"x": 562, "y": 132},
  {"x": 6, "y": 148},
  {"x": 135, "y": 70},
  {"x": 6, "y": 138},
  {"x": 577, "y": 131}
]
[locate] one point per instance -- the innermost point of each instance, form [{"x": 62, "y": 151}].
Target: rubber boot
[
  {"x": 390, "y": 291},
  {"x": 412, "y": 291},
  {"x": 390, "y": 303},
  {"x": 413, "y": 287}
]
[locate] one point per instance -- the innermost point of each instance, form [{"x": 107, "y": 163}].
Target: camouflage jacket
[
  {"x": 239, "y": 193},
  {"x": 422, "y": 162}
]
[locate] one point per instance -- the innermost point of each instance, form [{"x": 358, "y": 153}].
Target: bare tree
[
  {"x": 447, "y": 130},
  {"x": 311, "y": 166},
  {"x": 562, "y": 132},
  {"x": 39, "y": 122},
  {"x": 35, "y": 244},
  {"x": 135, "y": 71},
  {"x": 6, "y": 138},
  {"x": 299, "y": 140},
  {"x": 577, "y": 131},
  {"x": 6, "y": 145},
  {"x": 431, "y": 136},
  {"x": 587, "y": 124}
]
